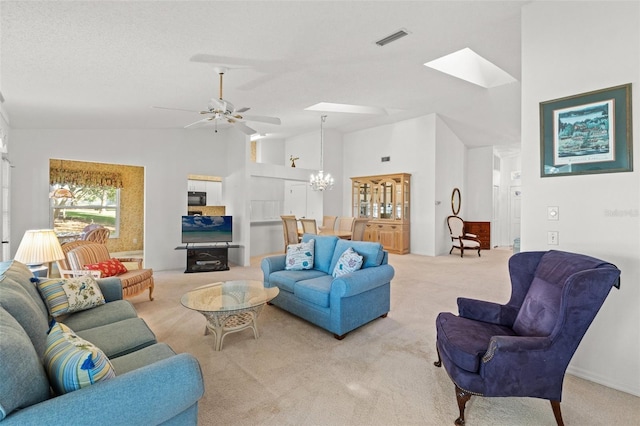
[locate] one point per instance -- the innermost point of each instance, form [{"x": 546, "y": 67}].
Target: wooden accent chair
[
  {"x": 98, "y": 235},
  {"x": 81, "y": 252},
  {"x": 459, "y": 238},
  {"x": 358, "y": 227},
  {"x": 290, "y": 230}
]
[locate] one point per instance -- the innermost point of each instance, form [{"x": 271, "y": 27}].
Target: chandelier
[{"x": 320, "y": 182}]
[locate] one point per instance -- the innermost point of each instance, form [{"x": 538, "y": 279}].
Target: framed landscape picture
[{"x": 587, "y": 133}]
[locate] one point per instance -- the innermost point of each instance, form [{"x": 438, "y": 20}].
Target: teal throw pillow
[{"x": 299, "y": 256}]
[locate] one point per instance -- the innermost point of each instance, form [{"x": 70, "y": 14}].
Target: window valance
[{"x": 62, "y": 176}]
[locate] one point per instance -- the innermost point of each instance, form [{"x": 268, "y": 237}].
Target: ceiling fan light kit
[
  {"x": 220, "y": 109},
  {"x": 320, "y": 182}
]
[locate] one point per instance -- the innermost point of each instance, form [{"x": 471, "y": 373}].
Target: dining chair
[
  {"x": 358, "y": 227},
  {"x": 290, "y": 230},
  {"x": 328, "y": 223},
  {"x": 309, "y": 226},
  {"x": 345, "y": 223}
]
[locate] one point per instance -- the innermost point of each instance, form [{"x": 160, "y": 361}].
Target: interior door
[
  {"x": 295, "y": 199},
  {"x": 515, "y": 198}
]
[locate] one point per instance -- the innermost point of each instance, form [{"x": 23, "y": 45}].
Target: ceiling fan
[{"x": 220, "y": 109}]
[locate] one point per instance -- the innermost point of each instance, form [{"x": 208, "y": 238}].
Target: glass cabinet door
[
  {"x": 365, "y": 200},
  {"x": 386, "y": 199}
]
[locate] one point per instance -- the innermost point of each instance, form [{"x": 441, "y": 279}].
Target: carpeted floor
[{"x": 380, "y": 374}]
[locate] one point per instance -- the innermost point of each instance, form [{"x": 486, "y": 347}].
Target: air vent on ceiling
[{"x": 393, "y": 37}]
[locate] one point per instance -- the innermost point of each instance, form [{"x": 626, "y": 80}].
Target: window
[{"x": 75, "y": 206}]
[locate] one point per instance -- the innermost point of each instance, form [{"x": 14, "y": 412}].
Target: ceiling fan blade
[
  {"x": 243, "y": 109},
  {"x": 176, "y": 109},
  {"x": 244, "y": 128},
  {"x": 198, "y": 122},
  {"x": 262, "y": 119}
]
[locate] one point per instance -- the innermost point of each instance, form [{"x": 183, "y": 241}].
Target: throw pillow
[
  {"x": 349, "y": 261},
  {"x": 299, "y": 256},
  {"x": 108, "y": 268},
  {"x": 73, "y": 363},
  {"x": 66, "y": 295}
]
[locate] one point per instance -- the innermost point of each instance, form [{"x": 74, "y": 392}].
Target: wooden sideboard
[
  {"x": 482, "y": 230},
  {"x": 384, "y": 200}
]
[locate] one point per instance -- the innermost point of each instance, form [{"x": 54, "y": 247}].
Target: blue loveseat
[
  {"x": 152, "y": 385},
  {"x": 339, "y": 304}
]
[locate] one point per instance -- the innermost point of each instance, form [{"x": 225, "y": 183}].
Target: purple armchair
[{"x": 523, "y": 348}]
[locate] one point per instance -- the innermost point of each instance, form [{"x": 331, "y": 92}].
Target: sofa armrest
[
  {"x": 136, "y": 260},
  {"x": 481, "y": 310},
  {"x": 272, "y": 264},
  {"x": 149, "y": 395},
  {"x": 111, "y": 288},
  {"x": 361, "y": 280}
]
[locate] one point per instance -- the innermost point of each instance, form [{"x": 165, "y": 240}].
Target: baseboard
[{"x": 588, "y": 375}]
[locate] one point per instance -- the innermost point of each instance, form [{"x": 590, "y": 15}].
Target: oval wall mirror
[{"x": 455, "y": 201}]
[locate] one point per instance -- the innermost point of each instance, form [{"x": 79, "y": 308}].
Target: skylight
[
  {"x": 468, "y": 65},
  {"x": 355, "y": 109}
]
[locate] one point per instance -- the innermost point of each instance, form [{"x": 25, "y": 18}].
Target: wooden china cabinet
[{"x": 384, "y": 200}]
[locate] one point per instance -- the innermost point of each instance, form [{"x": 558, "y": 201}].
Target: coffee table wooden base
[{"x": 223, "y": 323}]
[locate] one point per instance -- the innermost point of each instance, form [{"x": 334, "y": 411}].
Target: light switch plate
[
  {"x": 552, "y": 238},
  {"x": 553, "y": 213}
]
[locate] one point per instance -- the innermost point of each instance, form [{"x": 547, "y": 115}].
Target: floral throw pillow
[
  {"x": 73, "y": 363},
  {"x": 349, "y": 261},
  {"x": 300, "y": 256},
  {"x": 108, "y": 268},
  {"x": 66, "y": 295}
]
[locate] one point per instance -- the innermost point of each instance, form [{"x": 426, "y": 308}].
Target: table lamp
[{"x": 39, "y": 246}]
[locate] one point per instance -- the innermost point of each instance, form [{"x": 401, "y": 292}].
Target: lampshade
[{"x": 39, "y": 246}]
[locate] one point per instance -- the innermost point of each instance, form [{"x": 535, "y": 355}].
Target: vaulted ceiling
[{"x": 103, "y": 65}]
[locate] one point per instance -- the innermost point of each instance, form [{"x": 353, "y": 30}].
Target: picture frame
[{"x": 587, "y": 133}]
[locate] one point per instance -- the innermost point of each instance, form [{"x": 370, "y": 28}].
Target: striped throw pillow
[
  {"x": 66, "y": 295},
  {"x": 73, "y": 363}
]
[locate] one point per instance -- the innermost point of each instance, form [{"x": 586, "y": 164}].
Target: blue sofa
[
  {"x": 152, "y": 385},
  {"x": 339, "y": 304}
]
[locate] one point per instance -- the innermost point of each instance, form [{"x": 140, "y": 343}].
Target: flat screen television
[{"x": 207, "y": 229}]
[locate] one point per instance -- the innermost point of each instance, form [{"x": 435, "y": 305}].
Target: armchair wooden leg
[
  {"x": 462, "y": 397},
  {"x": 555, "y": 406},
  {"x": 438, "y": 363},
  {"x": 151, "y": 293}
]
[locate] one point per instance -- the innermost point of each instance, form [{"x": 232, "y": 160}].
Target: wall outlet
[{"x": 552, "y": 238}]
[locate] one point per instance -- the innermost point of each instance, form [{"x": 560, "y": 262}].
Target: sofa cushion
[
  {"x": 108, "y": 313},
  {"x": 349, "y": 261},
  {"x": 465, "y": 341},
  {"x": 120, "y": 338},
  {"x": 315, "y": 290},
  {"x": 299, "y": 256},
  {"x": 323, "y": 251},
  {"x": 108, "y": 268},
  {"x": 541, "y": 306},
  {"x": 66, "y": 295},
  {"x": 372, "y": 253},
  {"x": 286, "y": 280},
  {"x": 23, "y": 381},
  {"x": 20, "y": 274},
  {"x": 143, "y": 357},
  {"x": 15, "y": 299},
  {"x": 73, "y": 363}
]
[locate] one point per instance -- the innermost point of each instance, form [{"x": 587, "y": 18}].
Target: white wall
[
  {"x": 450, "y": 172},
  {"x": 477, "y": 200},
  {"x": 423, "y": 147},
  {"x": 571, "y": 48},
  {"x": 168, "y": 156}
]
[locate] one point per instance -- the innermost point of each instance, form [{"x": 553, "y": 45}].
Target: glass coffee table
[{"x": 229, "y": 306}]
